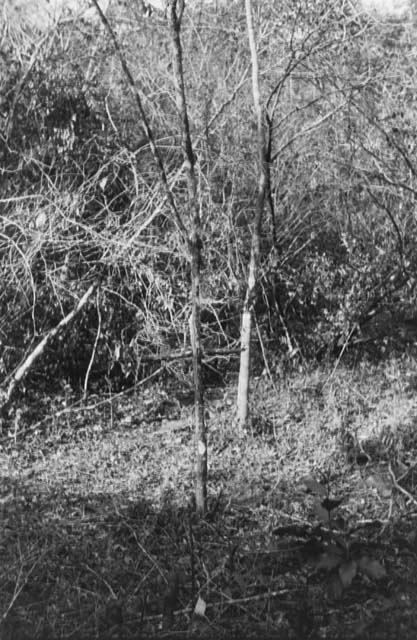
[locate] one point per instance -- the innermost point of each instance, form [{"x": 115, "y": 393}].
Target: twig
[
  {"x": 389, "y": 516},
  {"x": 109, "y": 587},
  {"x": 399, "y": 487},
  {"x": 183, "y": 355},
  {"x": 405, "y": 474},
  {"x": 93, "y": 354},
  {"x": 229, "y": 602},
  {"x": 24, "y": 368},
  {"x": 333, "y": 371},
  {"x": 265, "y": 359},
  {"x": 141, "y": 547},
  {"x": 19, "y": 587},
  {"x": 223, "y": 106}
]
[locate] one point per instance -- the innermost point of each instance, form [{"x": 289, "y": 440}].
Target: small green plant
[{"x": 341, "y": 555}]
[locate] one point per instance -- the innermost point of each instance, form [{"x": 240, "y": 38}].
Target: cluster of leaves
[{"x": 341, "y": 557}]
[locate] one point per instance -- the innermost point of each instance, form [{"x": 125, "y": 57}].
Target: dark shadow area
[{"x": 106, "y": 566}]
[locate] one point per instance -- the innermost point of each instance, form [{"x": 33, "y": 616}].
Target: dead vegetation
[{"x": 310, "y": 531}]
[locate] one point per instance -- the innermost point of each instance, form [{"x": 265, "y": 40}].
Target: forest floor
[{"x": 98, "y": 537}]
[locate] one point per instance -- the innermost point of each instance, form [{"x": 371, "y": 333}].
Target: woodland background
[
  {"x": 81, "y": 198},
  {"x": 96, "y": 447}
]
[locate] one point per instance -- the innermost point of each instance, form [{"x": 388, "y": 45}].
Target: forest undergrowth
[{"x": 311, "y": 523}]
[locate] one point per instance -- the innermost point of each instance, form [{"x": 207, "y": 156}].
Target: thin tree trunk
[
  {"x": 175, "y": 11},
  {"x": 192, "y": 239},
  {"x": 246, "y": 328},
  {"x": 144, "y": 122}
]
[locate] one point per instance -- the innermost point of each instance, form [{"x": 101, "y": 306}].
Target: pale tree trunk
[
  {"x": 39, "y": 350},
  {"x": 246, "y": 328},
  {"x": 175, "y": 10}
]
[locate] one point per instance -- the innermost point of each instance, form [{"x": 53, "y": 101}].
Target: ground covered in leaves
[{"x": 311, "y": 523}]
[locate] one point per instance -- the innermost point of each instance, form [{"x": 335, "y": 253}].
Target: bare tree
[
  {"x": 175, "y": 11},
  {"x": 246, "y": 328}
]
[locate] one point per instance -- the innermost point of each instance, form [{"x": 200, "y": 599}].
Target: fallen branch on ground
[{"x": 24, "y": 368}]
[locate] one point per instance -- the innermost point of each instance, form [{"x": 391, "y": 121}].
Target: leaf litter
[{"x": 99, "y": 537}]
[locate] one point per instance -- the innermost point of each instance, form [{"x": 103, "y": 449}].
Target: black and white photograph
[{"x": 208, "y": 320}]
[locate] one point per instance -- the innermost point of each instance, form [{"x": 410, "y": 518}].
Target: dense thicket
[{"x": 81, "y": 197}]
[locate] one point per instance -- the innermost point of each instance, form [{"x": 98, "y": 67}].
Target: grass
[{"x": 98, "y": 537}]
